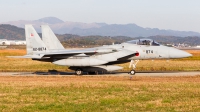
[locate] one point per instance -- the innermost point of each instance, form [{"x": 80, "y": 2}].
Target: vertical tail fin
[
  {"x": 34, "y": 44},
  {"x": 50, "y": 39}
]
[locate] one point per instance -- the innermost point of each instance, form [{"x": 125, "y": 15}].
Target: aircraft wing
[
  {"x": 90, "y": 51},
  {"x": 118, "y": 55},
  {"x": 68, "y": 53}
]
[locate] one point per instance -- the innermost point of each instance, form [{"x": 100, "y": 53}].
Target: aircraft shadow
[{"x": 55, "y": 72}]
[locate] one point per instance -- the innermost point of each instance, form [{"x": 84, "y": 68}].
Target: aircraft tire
[
  {"x": 78, "y": 71},
  {"x": 96, "y": 72},
  {"x": 132, "y": 72}
]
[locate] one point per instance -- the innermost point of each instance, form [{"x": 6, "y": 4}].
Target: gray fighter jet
[{"x": 98, "y": 59}]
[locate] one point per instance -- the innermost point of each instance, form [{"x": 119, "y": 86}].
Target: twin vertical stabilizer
[
  {"x": 50, "y": 39},
  {"x": 34, "y": 44}
]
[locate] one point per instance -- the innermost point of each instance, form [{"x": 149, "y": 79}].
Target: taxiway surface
[{"x": 194, "y": 73}]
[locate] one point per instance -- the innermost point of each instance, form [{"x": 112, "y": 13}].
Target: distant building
[
  {"x": 3, "y": 47},
  {"x": 12, "y": 42},
  {"x": 198, "y": 46}
]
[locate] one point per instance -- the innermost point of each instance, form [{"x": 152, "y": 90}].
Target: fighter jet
[{"x": 98, "y": 59}]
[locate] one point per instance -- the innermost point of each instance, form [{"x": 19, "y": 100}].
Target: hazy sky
[{"x": 162, "y": 14}]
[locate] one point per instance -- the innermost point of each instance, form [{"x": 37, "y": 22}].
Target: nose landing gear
[
  {"x": 133, "y": 64},
  {"x": 132, "y": 72}
]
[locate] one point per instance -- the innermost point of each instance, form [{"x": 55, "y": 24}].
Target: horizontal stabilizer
[{"x": 27, "y": 56}]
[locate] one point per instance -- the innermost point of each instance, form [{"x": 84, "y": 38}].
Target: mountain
[
  {"x": 85, "y": 29},
  {"x": 193, "y": 41},
  {"x": 50, "y": 20},
  {"x": 57, "y": 25},
  {"x": 131, "y": 30},
  {"x": 11, "y": 32}
]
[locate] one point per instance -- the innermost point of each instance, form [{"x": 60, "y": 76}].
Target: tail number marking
[{"x": 40, "y": 49}]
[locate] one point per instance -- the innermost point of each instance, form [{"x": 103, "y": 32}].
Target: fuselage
[{"x": 123, "y": 53}]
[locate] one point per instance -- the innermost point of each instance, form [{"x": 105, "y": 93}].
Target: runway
[{"x": 193, "y": 73}]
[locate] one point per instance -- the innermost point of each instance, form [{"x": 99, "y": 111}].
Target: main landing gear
[
  {"x": 78, "y": 71},
  {"x": 133, "y": 64}
]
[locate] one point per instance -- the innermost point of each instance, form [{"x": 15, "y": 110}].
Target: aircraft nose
[{"x": 176, "y": 53}]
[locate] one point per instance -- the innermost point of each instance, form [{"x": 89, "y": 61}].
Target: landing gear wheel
[
  {"x": 78, "y": 71},
  {"x": 132, "y": 72},
  {"x": 96, "y": 72}
]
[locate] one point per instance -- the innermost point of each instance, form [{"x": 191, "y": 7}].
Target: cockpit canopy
[{"x": 144, "y": 42}]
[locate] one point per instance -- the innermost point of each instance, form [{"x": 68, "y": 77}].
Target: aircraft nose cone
[{"x": 176, "y": 53}]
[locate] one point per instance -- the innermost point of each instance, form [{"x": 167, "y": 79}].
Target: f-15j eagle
[{"x": 98, "y": 59}]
